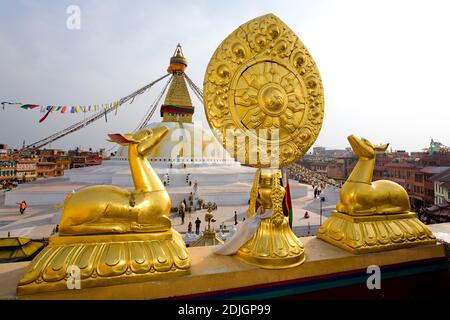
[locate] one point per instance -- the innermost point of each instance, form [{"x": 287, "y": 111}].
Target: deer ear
[
  {"x": 120, "y": 138},
  {"x": 142, "y": 134},
  {"x": 381, "y": 148}
]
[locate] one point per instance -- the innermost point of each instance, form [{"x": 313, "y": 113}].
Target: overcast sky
[{"x": 385, "y": 65}]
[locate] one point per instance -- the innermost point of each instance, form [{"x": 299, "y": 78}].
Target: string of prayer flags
[
  {"x": 91, "y": 108},
  {"x": 73, "y": 109}
]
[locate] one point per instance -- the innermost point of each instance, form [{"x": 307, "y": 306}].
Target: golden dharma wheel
[{"x": 263, "y": 94}]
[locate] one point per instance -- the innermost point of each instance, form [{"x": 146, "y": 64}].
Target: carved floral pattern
[
  {"x": 372, "y": 234},
  {"x": 105, "y": 263},
  {"x": 263, "y": 77}
]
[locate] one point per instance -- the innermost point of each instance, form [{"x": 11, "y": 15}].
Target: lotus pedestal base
[
  {"x": 274, "y": 246},
  {"x": 105, "y": 260},
  {"x": 363, "y": 234}
]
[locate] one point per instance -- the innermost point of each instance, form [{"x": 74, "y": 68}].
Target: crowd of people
[{"x": 316, "y": 180}]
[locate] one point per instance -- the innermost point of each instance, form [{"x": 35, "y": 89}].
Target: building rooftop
[
  {"x": 434, "y": 170},
  {"x": 442, "y": 177}
]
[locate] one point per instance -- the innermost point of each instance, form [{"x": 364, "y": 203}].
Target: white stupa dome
[{"x": 185, "y": 143}]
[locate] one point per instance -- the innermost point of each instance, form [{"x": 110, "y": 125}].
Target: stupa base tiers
[
  {"x": 364, "y": 234},
  {"x": 105, "y": 260},
  {"x": 274, "y": 246}
]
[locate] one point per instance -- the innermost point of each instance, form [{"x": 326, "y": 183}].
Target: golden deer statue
[
  {"x": 372, "y": 216},
  {"x": 114, "y": 235},
  {"x": 110, "y": 209},
  {"x": 360, "y": 196}
]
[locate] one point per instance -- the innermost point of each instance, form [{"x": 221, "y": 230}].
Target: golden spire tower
[{"x": 177, "y": 106}]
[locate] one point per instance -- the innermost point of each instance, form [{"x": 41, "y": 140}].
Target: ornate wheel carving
[{"x": 263, "y": 83}]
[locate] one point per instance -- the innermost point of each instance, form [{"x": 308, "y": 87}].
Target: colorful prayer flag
[
  {"x": 30, "y": 106},
  {"x": 45, "y": 116},
  {"x": 289, "y": 203}
]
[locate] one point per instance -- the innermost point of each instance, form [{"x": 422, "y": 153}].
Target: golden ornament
[{"x": 262, "y": 79}]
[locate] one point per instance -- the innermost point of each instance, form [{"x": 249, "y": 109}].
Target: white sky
[{"x": 384, "y": 64}]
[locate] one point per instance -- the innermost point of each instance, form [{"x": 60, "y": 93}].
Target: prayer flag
[
  {"x": 30, "y": 106},
  {"x": 289, "y": 203},
  {"x": 45, "y": 116}
]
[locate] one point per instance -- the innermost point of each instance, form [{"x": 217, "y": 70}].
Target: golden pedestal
[
  {"x": 374, "y": 233},
  {"x": 105, "y": 260},
  {"x": 274, "y": 246}
]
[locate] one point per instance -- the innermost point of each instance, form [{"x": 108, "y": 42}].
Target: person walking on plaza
[
  {"x": 182, "y": 211},
  {"x": 197, "y": 226},
  {"x": 235, "y": 218},
  {"x": 22, "y": 207},
  {"x": 190, "y": 227}
]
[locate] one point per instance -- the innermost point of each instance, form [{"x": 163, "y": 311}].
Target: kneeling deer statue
[
  {"x": 110, "y": 209},
  {"x": 360, "y": 196}
]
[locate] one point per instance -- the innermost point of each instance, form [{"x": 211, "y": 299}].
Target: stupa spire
[{"x": 177, "y": 104}]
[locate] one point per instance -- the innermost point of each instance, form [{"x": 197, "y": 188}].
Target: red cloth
[{"x": 45, "y": 116}]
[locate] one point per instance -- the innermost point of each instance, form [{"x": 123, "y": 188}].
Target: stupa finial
[{"x": 177, "y": 62}]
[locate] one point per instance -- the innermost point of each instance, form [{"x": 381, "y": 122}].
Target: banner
[{"x": 91, "y": 108}]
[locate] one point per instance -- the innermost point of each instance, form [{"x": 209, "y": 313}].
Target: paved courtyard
[
  {"x": 39, "y": 221},
  {"x": 301, "y": 226}
]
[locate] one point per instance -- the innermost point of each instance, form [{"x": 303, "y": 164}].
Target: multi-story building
[
  {"x": 46, "y": 169},
  {"x": 441, "y": 187},
  {"x": 4, "y": 149},
  {"x": 416, "y": 193},
  {"x": 380, "y": 171},
  {"x": 78, "y": 162},
  {"x": 50, "y": 153},
  {"x": 80, "y": 159},
  {"x": 437, "y": 159},
  {"x": 62, "y": 164},
  {"x": 400, "y": 171},
  {"x": 339, "y": 169},
  {"x": 93, "y": 160},
  {"x": 26, "y": 169},
  {"x": 7, "y": 171},
  {"x": 428, "y": 184}
]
